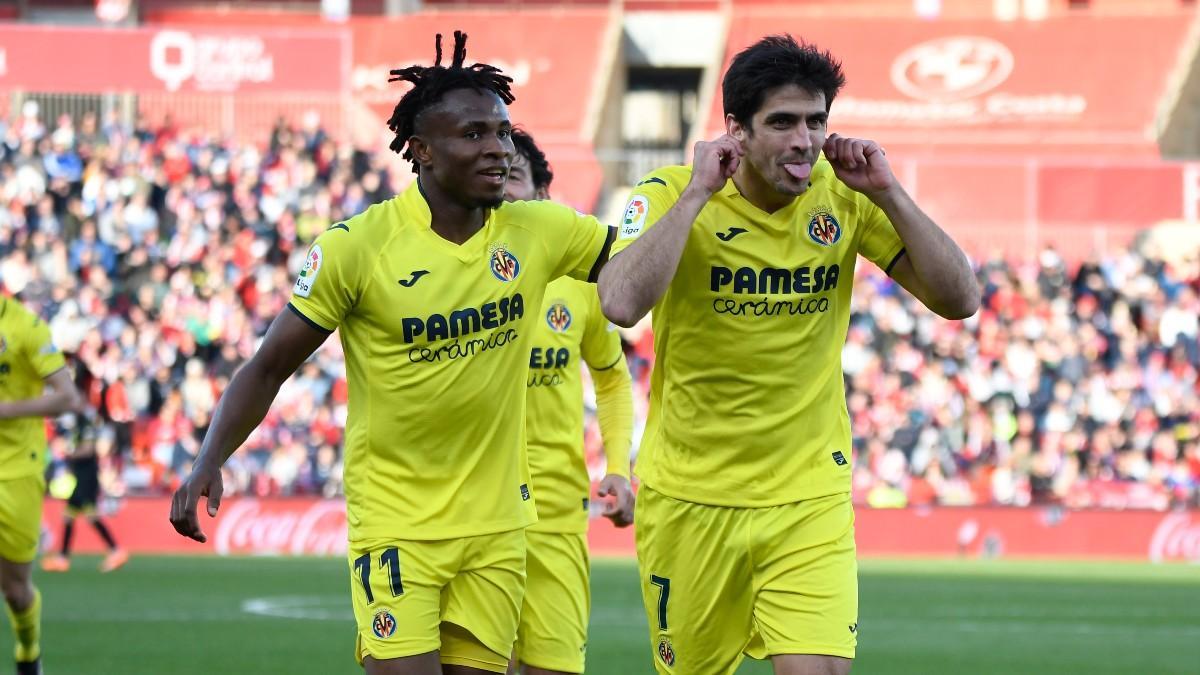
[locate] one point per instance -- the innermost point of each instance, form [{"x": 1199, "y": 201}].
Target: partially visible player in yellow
[
  {"x": 34, "y": 384},
  {"x": 745, "y": 529},
  {"x": 570, "y": 328},
  {"x": 434, "y": 295}
]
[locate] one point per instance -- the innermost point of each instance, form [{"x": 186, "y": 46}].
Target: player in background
[
  {"x": 34, "y": 384},
  {"x": 745, "y": 528},
  {"x": 570, "y": 328},
  {"x": 433, "y": 294},
  {"x": 81, "y": 428}
]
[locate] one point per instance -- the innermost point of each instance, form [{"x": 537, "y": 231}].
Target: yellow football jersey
[
  {"x": 570, "y": 331},
  {"x": 747, "y": 404},
  {"x": 436, "y": 337},
  {"x": 27, "y": 357}
]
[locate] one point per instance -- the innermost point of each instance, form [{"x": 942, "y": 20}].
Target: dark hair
[
  {"x": 776, "y": 61},
  {"x": 431, "y": 83},
  {"x": 539, "y": 168}
]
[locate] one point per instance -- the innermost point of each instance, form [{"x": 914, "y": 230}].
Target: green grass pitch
[{"x": 189, "y": 616}]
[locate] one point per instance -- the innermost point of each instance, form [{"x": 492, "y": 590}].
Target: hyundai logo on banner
[{"x": 952, "y": 68}]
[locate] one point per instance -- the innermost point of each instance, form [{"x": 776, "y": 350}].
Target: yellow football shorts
[
  {"x": 554, "y": 617},
  {"x": 459, "y": 596},
  {"x": 21, "y": 517},
  {"x": 720, "y": 582}
]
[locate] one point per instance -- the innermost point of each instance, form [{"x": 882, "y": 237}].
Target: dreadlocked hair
[{"x": 430, "y": 84}]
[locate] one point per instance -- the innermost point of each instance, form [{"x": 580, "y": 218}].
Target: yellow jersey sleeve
[
  {"x": 330, "y": 282},
  {"x": 878, "y": 241},
  {"x": 43, "y": 356},
  {"x": 577, "y": 244},
  {"x": 649, "y": 201},
  {"x": 601, "y": 345},
  {"x": 601, "y": 349}
]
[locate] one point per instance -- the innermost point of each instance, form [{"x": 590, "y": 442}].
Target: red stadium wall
[
  {"x": 177, "y": 61},
  {"x": 226, "y": 79},
  {"x": 318, "y": 527},
  {"x": 236, "y": 73},
  {"x": 991, "y": 88},
  {"x": 1080, "y": 206},
  {"x": 555, "y": 56}
]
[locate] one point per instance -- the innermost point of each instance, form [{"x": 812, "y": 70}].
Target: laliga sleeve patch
[
  {"x": 635, "y": 217},
  {"x": 308, "y": 273}
]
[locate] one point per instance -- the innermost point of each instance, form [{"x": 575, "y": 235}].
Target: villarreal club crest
[
  {"x": 823, "y": 228},
  {"x": 558, "y": 317},
  {"x": 503, "y": 263}
]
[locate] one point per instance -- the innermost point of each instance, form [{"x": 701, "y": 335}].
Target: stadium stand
[
  {"x": 157, "y": 220},
  {"x": 159, "y": 256}
]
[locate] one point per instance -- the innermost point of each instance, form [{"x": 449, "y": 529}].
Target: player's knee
[
  {"x": 18, "y": 593},
  {"x": 811, "y": 664}
]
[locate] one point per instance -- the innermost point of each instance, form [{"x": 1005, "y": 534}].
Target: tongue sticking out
[{"x": 799, "y": 171}]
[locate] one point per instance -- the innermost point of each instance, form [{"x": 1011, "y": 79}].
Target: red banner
[
  {"x": 552, "y": 56},
  {"x": 556, "y": 60},
  {"x": 318, "y": 527},
  {"x": 1080, "y": 206},
  {"x": 955, "y": 85},
  {"x": 184, "y": 60}
]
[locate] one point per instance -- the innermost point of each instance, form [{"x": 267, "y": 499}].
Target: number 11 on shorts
[
  {"x": 664, "y": 593},
  {"x": 390, "y": 559}
]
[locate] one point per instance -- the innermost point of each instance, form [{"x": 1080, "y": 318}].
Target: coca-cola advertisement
[
  {"x": 1177, "y": 537},
  {"x": 303, "y": 526},
  {"x": 254, "y": 527}
]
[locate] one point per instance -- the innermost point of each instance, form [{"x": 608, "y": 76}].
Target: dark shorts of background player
[{"x": 87, "y": 486}]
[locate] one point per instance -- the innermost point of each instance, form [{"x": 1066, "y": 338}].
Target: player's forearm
[
  {"x": 635, "y": 279},
  {"x": 242, "y": 408},
  {"x": 614, "y": 409},
  {"x": 51, "y": 404},
  {"x": 941, "y": 267}
]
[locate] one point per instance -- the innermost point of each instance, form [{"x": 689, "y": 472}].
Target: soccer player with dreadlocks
[{"x": 434, "y": 295}]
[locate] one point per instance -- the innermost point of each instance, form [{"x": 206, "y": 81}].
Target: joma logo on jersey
[
  {"x": 559, "y": 317},
  {"x": 824, "y": 229},
  {"x": 504, "y": 265},
  {"x": 549, "y": 357},
  {"x": 774, "y": 279},
  {"x": 463, "y": 321}
]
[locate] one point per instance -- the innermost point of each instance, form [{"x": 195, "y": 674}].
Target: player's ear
[
  {"x": 421, "y": 151},
  {"x": 542, "y": 193},
  {"x": 735, "y": 128}
]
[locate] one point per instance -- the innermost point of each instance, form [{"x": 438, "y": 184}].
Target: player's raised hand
[
  {"x": 859, "y": 163},
  {"x": 714, "y": 162},
  {"x": 204, "y": 481},
  {"x": 620, "y": 509}
]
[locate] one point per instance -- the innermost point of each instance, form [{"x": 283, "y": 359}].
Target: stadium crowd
[{"x": 159, "y": 256}]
